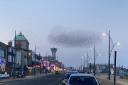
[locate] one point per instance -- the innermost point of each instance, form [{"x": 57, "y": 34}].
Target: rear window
[{"x": 82, "y": 80}]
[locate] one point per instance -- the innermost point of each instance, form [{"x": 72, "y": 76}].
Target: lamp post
[
  {"x": 87, "y": 64},
  {"x": 110, "y": 50},
  {"x": 94, "y": 68},
  {"x": 94, "y": 59},
  {"x": 115, "y": 59},
  {"x": 14, "y": 57},
  {"x": 35, "y": 63},
  {"x": 81, "y": 63},
  {"x": 40, "y": 63},
  {"x": 13, "y": 69},
  {"x": 109, "y": 54},
  {"x": 85, "y": 60}
]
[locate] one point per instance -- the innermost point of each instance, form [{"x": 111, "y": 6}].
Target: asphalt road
[{"x": 44, "y": 80}]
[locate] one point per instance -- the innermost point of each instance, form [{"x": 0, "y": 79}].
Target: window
[{"x": 82, "y": 80}]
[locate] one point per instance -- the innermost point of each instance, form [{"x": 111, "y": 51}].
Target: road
[
  {"x": 51, "y": 80},
  {"x": 44, "y": 80}
]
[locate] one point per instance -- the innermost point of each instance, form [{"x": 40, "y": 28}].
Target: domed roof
[{"x": 21, "y": 37}]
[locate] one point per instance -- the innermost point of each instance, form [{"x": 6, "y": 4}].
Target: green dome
[{"x": 21, "y": 37}]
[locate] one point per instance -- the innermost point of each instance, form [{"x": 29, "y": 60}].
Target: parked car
[
  {"x": 82, "y": 79},
  {"x": 4, "y": 75},
  {"x": 20, "y": 73}
]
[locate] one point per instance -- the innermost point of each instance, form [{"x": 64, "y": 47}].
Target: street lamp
[
  {"x": 110, "y": 49},
  {"x": 94, "y": 61},
  {"x": 35, "y": 62},
  {"x": 82, "y": 63},
  {"x": 94, "y": 66},
  {"x": 87, "y": 61},
  {"x": 14, "y": 57}
]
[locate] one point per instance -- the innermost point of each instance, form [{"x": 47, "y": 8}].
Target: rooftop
[
  {"x": 82, "y": 74},
  {"x": 21, "y": 37}
]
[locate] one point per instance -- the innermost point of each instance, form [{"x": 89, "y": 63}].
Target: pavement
[{"x": 105, "y": 81}]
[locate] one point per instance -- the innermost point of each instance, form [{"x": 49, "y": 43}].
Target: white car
[
  {"x": 82, "y": 79},
  {"x": 5, "y": 75}
]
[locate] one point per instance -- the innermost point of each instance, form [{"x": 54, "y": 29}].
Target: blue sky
[{"x": 37, "y": 18}]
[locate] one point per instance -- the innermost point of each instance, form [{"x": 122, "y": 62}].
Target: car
[
  {"x": 4, "y": 75},
  {"x": 82, "y": 79},
  {"x": 67, "y": 75},
  {"x": 20, "y": 73}
]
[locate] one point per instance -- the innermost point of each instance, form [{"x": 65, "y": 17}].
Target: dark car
[{"x": 20, "y": 73}]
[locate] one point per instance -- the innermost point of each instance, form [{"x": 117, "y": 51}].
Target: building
[
  {"x": 48, "y": 58},
  {"x": 16, "y": 56},
  {"x": 21, "y": 41},
  {"x": 36, "y": 59},
  {"x": 22, "y": 50},
  {"x": 29, "y": 58},
  {"x": 11, "y": 54},
  {"x": 51, "y": 63},
  {"x": 3, "y": 56}
]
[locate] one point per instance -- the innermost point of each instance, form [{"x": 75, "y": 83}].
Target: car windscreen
[{"x": 82, "y": 80}]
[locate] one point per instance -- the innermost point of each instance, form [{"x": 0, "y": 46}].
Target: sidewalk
[
  {"x": 27, "y": 77},
  {"x": 103, "y": 78}
]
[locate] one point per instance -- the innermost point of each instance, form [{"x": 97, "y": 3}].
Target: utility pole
[
  {"x": 94, "y": 68},
  {"x": 115, "y": 57},
  {"x": 109, "y": 54},
  {"x": 40, "y": 63},
  {"x": 84, "y": 65},
  {"x": 81, "y": 65},
  {"x": 90, "y": 67},
  {"x": 46, "y": 70},
  {"x": 35, "y": 62},
  {"x": 87, "y": 62},
  {"x": 87, "y": 59}
]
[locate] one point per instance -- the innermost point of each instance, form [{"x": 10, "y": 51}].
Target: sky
[{"x": 36, "y": 19}]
